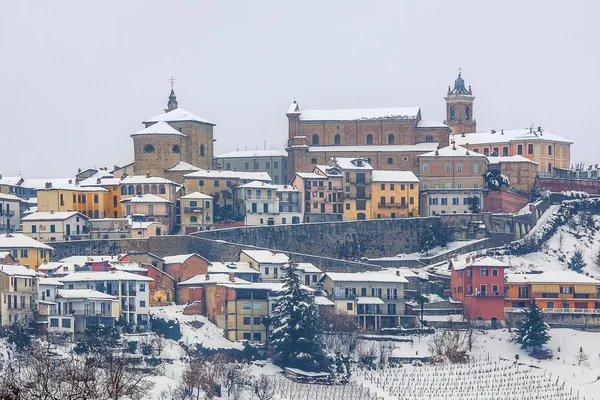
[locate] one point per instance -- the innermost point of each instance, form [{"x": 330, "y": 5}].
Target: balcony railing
[
  {"x": 557, "y": 310},
  {"x": 191, "y": 210},
  {"x": 8, "y": 213},
  {"x": 392, "y": 205}
]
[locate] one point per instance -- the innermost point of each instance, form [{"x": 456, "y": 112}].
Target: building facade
[
  {"x": 18, "y": 291},
  {"x": 196, "y": 212},
  {"x": 459, "y": 108},
  {"x": 10, "y": 212},
  {"x": 273, "y": 162},
  {"x": 56, "y": 226}
]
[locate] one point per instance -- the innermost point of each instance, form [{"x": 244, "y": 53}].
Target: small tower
[
  {"x": 459, "y": 107},
  {"x": 172, "y": 104}
]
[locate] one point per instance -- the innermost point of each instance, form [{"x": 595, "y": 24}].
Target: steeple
[
  {"x": 172, "y": 104},
  {"x": 459, "y": 86},
  {"x": 459, "y": 107}
]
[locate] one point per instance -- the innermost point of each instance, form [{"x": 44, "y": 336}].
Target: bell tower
[{"x": 459, "y": 108}]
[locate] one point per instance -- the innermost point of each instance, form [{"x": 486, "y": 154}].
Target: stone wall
[
  {"x": 503, "y": 202},
  {"x": 559, "y": 185}
]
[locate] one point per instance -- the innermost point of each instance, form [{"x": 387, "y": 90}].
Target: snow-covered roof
[
  {"x": 52, "y": 216},
  {"x": 232, "y": 267},
  {"x": 10, "y": 180},
  {"x": 146, "y": 198},
  {"x": 352, "y": 163},
  {"x": 419, "y": 147},
  {"x": 323, "y": 301},
  {"x": 159, "y": 128},
  {"x": 258, "y": 185},
  {"x": 424, "y": 123},
  {"x": 553, "y": 277},
  {"x": 286, "y": 188},
  {"x": 327, "y": 170},
  {"x": 19, "y": 240},
  {"x": 183, "y": 166},
  {"x": 49, "y": 282},
  {"x": 369, "y": 300},
  {"x": 504, "y": 136},
  {"x": 4, "y": 254},
  {"x": 83, "y": 259},
  {"x": 103, "y": 276},
  {"x": 179, "y": 114},
  {"x": 364, "y": 114},
  {"x": 462, "y": 263},
  {"x": 310, "y": 175},
  {"x": 266, "y": 257},
  {"x": 17, "y": 270},
  {"x": 40, "y": 183},
  {"x": 178, "y": 259},
  {"x": 365, "y": 277},
  {"x": 223, "y": 174},
  {"x": 253, "y": 154},
  {"x": 90, "y": 294},
  {"x": 73, "y": 187},
  {"x": 515, "y": 158},
  {"x": 197, "y": 196},
  {"x": 271, "y": 286},
  {"x": 212, "y": 279},
  {"x": 128, "y": 266},
  {"x": 143, "y": 224},
  {"x": 394, "y": 176},
  {"x": 9, "y": 197},
  {"x": 452, "y": 151},
  {"x": 308, "y": 268}
]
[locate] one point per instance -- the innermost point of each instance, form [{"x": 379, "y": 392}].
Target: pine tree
[
  {"x": 295, "y": 340},
  {"x": 576, "y": 262},
  {"x": 532, "y": 331}
]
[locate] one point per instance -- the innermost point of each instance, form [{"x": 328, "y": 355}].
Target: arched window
[
  {"x": 520, "y": 149},
  {"x": 448, "y": 168},
  {"x": 201, "y": 150},
  {"x": 123, "y": 190},
  {"x": 115, "y": 214},
  {"x": 486, "y": 151},
  {"x": 459, "y": 168},
  {"x": 391, "y": 139},
  {"x": 496, "y": 151},
  {"x": 146, "y": 189},
  {"x": 138, "y": 189},
  {"x": 96, "y": 214},
  {"x": 369, "y": 139},
  {"x": 425, "y": 168},
  {"x": 467, "y": 113},
  {"x": 153, "y": 189},
  {"x": 476, "y": 168},
  {"x": 158, "y": 231},
  {"x": 475, "y": 150},
  {"x": 529, "y": 149},
  {"x": 84, "y": 212},
  {"x": 315, "y": 139},
  {"x": 505, "y": 151},
  {"x": 549, "y": 150},
  {"x": 549, "y": 167},
  {"x": 452, "y": 113},
  {"x": 337, "y": 139},
  {"x": 131, "y": 190},
  {"x": 176, "y": 149},
  {"x": 193, "y": 219},
  {"x": 148, "y": 148},
  {"x": 161, "y": 189}
]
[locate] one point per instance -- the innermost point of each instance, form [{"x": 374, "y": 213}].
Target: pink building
[{"x": 321, "y": 193}]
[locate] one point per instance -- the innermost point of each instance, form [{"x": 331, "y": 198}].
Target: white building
[
  {"x": 10, "y": 213},
  {"x": 18, "y": 293},
  {"x": 273, "y": 162},
  {"x": 269, "y": 264},
  {"x": 266, "y": 204},
  {"x": 55, "y": 226},
  {"x": 131, "y": 291}
]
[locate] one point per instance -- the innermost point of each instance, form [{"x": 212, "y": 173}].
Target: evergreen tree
[
  {"x": 532, "y": 331},
  {"x": 576, "y": 262},
  {"x": 294, "y": 339}
]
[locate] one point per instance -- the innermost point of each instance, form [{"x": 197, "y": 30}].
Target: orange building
[{"x": 479, "y": 284}]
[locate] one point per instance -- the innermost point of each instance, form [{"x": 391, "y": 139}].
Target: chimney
[
  {"x": 207, "y": 277},
  {"x": 455, "y": 257},
  {"x": 48, "y": 185},
  {"x": 51, "y": 211},
  {"x": 78, "y": 170},
  {"x": 0, "y": 176},
  {"x": 587, "y": 274},
  {"x": 231, "y": 277},
  {"x": 116, "y": 167},
  {"x": 99, "y": 180},
  {"x": 502, "y": 131},
  {"x": 397, "y": 272},
  {"x": 147, "y": 174},
  {"x": 493, "y": 131},
  {"x": 70, "y": 181},
  {"x": 539, "y": 128}
]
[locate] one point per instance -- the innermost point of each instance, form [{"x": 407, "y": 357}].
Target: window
[
  {"x": 275, "y": 164},
  {"x": 176, "y": 149},
  {"x": 444, "y": 201},
  {"x": 448, "y": 185},
  {"x": 257, "y": 337},
  {"x": 148, "y": 148},
  {"x": 142, "y": 287},
  {"x": 469, "y": 288},
  {"x": 201, "y": 150},
  {"x": 483, "y": 272},
  {"x": 247, "y": 336},
  {"x": 246, "y": 166},
  {"x": 392, "y": 186},
  {"x": 433, "y": 201},
  {"x": 469, "y": 273},
  {"x": 494, "y": 272},
  {"x": 566, "y": 290},
  {"x": 266, "y": 270},
  {"x": 383, "y": 186},
  {"x": 505, "y": 151},
  {"x": 54, "y": 322},
  {"x": 429, "y": 138},
  {"x": 486, "y": 151},
  {"x": 257, "y": 320},
  {"x": 520, "y": 149},
  {"x": 207, "y": 205},
  {"x": 247, "y": 321},
  {"x": 347, "y": 206},
  {"x": 391, "y": 139},
  {"x": 193, "y": 219},
  {"x": 475, "y": 150},
  {"x": 529, "y": 149},
  {"x": 495, "y": 288},
  {"x": 25, "y": 253},
  {"x": 455, "y": 201},
  {"x": 33, "y": 228},
  {"x": 349, "y": 306},
  {"x": 142, "y": 303},
  {"x": 369, "y": 139},
  {"x": 228, "y": 166},
  {"x": 467, "y": 113},
  {"x": 459, "y": 168},
  {"x": 337, "y": 139},
  {"x": 246, "y": 306},
  {"x": 452, "y": 113},
  {"x": 476, "y": 168},
  {"x": 313, "y": 160},
  {"x": 315, "y": 139},
  {"x": 66, "y": 323},
  {"x": 390, "y": 160},
  {"x": 549, "y": 150},
  {"x": 476, "y": 185},
  {"x": 448, "y": 168},
  {"x": 425, "y": 168},
  {"x": 256, "y": 307}
]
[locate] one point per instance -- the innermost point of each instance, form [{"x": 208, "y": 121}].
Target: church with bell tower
[{"x": 459, "y": 107}]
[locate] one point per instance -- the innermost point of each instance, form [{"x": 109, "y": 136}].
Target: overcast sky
[{"x": 77, "y": 79}]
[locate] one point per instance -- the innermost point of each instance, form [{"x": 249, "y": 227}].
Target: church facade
[{"x": 175, "y": 137}]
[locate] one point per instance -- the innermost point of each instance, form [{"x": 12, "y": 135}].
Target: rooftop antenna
[
  {"x": 172, "y": 80},
  {"x": 265, "y": 145}
]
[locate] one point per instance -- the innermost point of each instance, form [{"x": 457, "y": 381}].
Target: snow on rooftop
[
  {"x": 130, "y": 180},
  {"x": 515, "y": 158},
  {"x": 159, "y": 128},
  {"x": 49, "y": 282},
  {"x": 310, "y": 175},
  {"x": 9, "y": 197},
  {"x": 16, "y": 270},
  {"x": 103, "y": 276},
  {"x": 40, "y": 183},
  {"x": 503, "y": 136},
  {"x": 452, "y": 151},
  {"x": 83, "y": 259},
  {"x": 179, "y": 114},
  {"x": 253, "y": 154},
  {"x": 183, "y": 166},
  {"x": 552, "y": 277},
  {"x": 267, "y": 257},
  {"x": 197, "y": 196},
  {"x": 323, "y": 301},
  {"x": 19, "y": 240},
  {"x": 394, "y": 176},
  {"x": 462, "y": 263},
  {"x": 232, "y": 267},
  {"x": 286, "y": 188},
  {"x": 365, "y": 277},
  {"x": 178, "y": 259},
  {"x": 222, "y": 174},
  {"x": 347, "y": 163},
  {"x": 52, "y": 216},
  {"x": 10, "y": 180},
  {"x": 431, "y": 124},
  {"x": 369, "y": 300},
  {"x": 308, "y": 268},
  {"x": 90, "y": 294},
  {"x": 212, "y": 279},
  {"x": 365, "y": 114},
  {"x": 146, "y": 198},
  {"x": 419, "y": 147}
]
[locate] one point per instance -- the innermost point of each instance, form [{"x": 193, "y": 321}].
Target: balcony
[
  {"x": 193, "y": 210},
  {"x": 557, "y": 310},
  {"x": 7, "y": 213},
  {"x": 392, "y": 205}
]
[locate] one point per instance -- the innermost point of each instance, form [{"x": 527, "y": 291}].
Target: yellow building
[
  {"x": 357, "y": 180},
  {"x": 28, "y": 251},
  {"x": 395, "y": 194},
  {"x": 89, "y": 201},
  {"x": 196, "y": 212}
]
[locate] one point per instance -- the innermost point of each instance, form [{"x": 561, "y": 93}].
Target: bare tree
[
  {"x": 449, "y": 345},
  {"x": 471, "y": 330},
  {"x": 341, "y": 332},
  {"x": 581, "y": 357},
  {"x": 263, "y": 388},
  {"x": 120, "y": 379}
]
